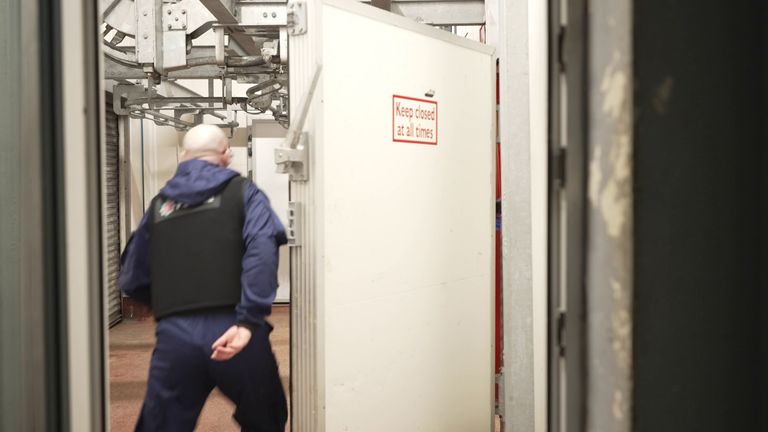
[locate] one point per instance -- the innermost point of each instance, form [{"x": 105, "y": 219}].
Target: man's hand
[{"x": 230, "y": 343}]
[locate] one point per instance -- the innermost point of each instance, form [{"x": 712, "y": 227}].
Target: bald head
[{"x": 208, "y": 143}]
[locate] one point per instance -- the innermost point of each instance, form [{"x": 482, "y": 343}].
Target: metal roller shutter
[{"x": 111, "y": 213}]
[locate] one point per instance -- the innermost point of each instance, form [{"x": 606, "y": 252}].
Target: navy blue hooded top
[{"x": 194, "y": 182}]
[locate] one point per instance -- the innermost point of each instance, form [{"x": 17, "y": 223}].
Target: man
[{"x": 205, "y": 258}]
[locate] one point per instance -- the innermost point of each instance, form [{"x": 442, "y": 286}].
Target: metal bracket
[
  {"x": 269, "y": 50},
  {"x": 561, "y": 333},
  {"x": 223, "y": 14},
  {"x": 293, "y": 230},
  {"x": 561, "y": 60},
  {"x": 500, "y": 401},
  {"x": 128, "y": 91},
  {"x": 266, "y": 14},
  {"x": 297, "y": 17},
  {"x": 283, "y": 47},
  {"x": 558, "y": 166},
  {"x": 293, "y": 161},
  {"x": 227, "y": 90},
  {"x": 292, "y": 157},
  {"x": 145, "y": 31},
  {"x": 174, "y": 17},
  {"x": 174, "y": 37}
]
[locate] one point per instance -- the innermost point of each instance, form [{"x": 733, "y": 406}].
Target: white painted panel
[
  {"x": 407, "y": 252},
  {"x": 539, "y": 117},
  {"x": 307, "y": 312},
  {"x": 239, "y": 160},
  {"x": 276, "y": 187}
]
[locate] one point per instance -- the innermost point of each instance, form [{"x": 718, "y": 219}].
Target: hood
[{"x": 195, "y": 181}]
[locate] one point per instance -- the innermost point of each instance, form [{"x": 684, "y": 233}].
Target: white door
[
  {"x": 276, "y": 187},
  {"x": 393, "y": 268}
]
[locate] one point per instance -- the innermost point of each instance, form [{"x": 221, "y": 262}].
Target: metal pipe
[
  {"x": 196, "y": 106},
  {"x": 185, "y": 109},
  {"x": 124, "y": 58},
  {"x": 264, "y": 88},
  {"x": 225, "y": 16},
  {"x": 247, "y": 61},
  {"x": 201, "y": 61},
  {"x": 108, "y": 10},
  {"x": 164, "y": 119},
  {"x": 215, "y": 114},
  {"x": 294, "y": 131},
  {"x": 180, "y": 100}
]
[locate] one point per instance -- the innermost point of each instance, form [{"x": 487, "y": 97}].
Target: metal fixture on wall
[{"x": 158, "y": 41}]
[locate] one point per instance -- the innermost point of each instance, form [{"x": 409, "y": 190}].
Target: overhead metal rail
[{"x": 158, "y": 40}]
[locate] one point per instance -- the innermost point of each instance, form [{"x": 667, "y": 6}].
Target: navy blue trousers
[{"x": 182, "y": 375}]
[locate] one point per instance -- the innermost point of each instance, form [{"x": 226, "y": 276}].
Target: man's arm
[
  {"x": 263, "y": 234},
  {"x": 134, "y": 265}
]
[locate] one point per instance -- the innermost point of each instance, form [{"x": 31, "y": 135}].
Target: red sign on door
[{"x": 414, "y": 120}]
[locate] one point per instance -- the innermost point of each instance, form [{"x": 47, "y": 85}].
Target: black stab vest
[{"x": 196, "y": 252}]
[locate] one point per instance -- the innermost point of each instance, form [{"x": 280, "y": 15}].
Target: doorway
[
  {"x": 149, "y": 156},
  {"x": 150, "y": 104}
]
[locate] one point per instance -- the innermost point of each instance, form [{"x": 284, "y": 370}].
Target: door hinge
[
  {"x": 561, "y": 48},
  {"x": 558, "y": 167},
  {"x": 560, "y": 331},
  {"x": 499, "y": 411},
  {"x": 293, "y": 230},
  {"x": 297, "y": 17}
]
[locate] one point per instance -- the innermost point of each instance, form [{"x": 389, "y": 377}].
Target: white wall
[
  {"x": 275, "y": 186},
  {"x": 153, "y": 159},
  {"x": 154, "y": 154}
]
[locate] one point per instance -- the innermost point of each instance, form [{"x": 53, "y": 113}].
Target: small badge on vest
[{"x": 167, "y": 208}]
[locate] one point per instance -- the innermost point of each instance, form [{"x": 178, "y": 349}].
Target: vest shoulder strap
[{"x": 163, "y": 209}]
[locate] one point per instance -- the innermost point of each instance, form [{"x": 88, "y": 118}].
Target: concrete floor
[{"x": 130, "y": 349}]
